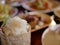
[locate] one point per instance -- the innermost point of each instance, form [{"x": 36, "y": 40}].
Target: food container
[{"x": 23, "y": 39}]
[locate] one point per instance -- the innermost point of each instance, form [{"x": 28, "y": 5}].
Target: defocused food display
[
  {"x": 41, "y": 5},
  {"x": 22, "y": 21},
  {"x": 37, "y": 20},
  {"x": 6, "y": 9}
]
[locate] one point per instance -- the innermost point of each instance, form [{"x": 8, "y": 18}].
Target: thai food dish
[
  {"x": 36, "y": 19},
  {"x": 40, "y": 5}
]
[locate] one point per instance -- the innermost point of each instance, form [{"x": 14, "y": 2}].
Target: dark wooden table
[{"x": 36, "y": 37}]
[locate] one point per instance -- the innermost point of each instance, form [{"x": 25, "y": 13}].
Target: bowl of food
[
  {"x": 37, "y": 20},
  {"x": 41, "y": 5},
  {"x": 6, "y": 9}
]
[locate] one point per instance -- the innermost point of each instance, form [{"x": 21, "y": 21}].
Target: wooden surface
[{"x": 36, "y": 37}]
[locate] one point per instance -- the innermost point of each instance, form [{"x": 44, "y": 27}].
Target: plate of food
[
  {"x": 6, "y": 9},
  {"x": 37, "y": 20},
  {"x": 41, "y": 5}
]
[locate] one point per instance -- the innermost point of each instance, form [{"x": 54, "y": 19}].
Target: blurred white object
[
  {"x": 51, "y": 36},
  {"x": 16, "y": 25},
  {"x": 16, "y": 4},
  {"x": 52, "y": 22},
  {"x": 2, "y": 1}
]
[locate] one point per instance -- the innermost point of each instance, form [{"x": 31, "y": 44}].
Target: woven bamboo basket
[{"x": 23, "y": 39}]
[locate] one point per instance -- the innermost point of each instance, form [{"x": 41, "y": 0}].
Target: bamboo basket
[{"x": 23, "y": 39}]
